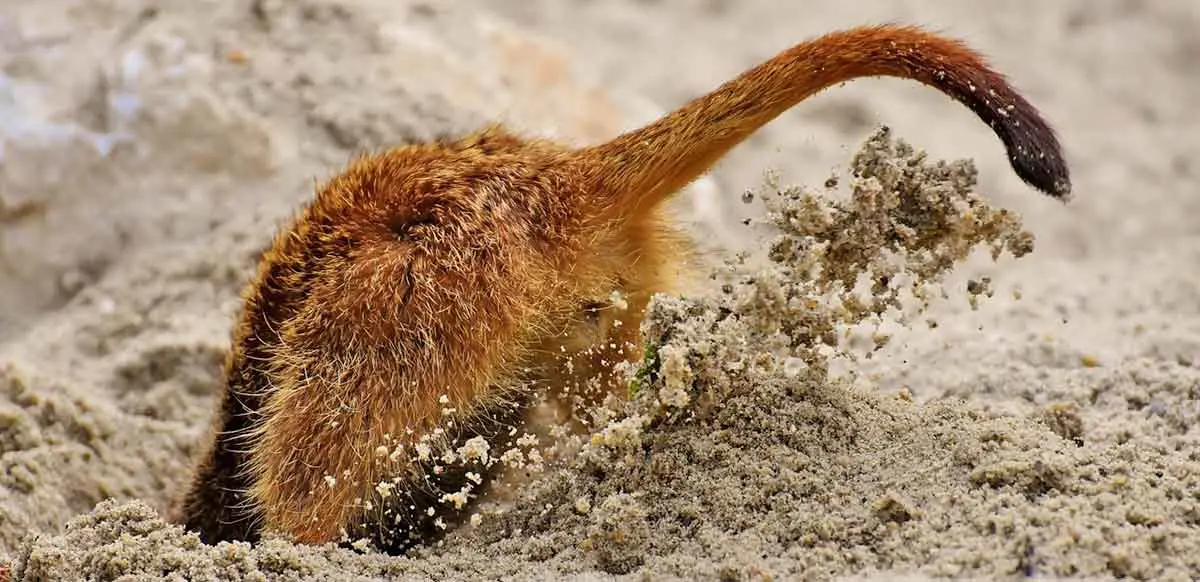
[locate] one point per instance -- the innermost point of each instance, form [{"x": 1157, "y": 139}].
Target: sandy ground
[{"x": 147, "y": 156}]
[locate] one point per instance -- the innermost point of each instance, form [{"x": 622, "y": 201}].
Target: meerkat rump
[{"x": 448, "y": 275}]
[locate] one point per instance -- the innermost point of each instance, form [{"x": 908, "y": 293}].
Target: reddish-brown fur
[{"x": 470, "y": 267}]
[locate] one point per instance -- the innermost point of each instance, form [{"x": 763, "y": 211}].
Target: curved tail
[{"x": 640, "y": 169}]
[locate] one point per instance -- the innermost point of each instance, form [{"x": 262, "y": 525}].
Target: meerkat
[{"x": 453, "y": 275}]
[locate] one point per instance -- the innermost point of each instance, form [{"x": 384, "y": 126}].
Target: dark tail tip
[
  {"x": 1033, "y": 148},
  {"x": 1035, "y": 154}
]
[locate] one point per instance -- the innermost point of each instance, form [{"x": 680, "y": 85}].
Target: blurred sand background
[{"x": 149, "y": 149}]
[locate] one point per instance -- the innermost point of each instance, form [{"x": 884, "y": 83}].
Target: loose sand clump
[{"x": 741, "y": 455}]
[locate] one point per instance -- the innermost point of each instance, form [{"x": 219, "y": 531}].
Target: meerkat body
[{"x": 452, "y": 275}]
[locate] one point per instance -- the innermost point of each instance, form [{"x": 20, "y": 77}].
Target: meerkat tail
[{"x": 641, "y": 168}]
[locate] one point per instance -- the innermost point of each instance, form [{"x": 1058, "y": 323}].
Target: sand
[{"x": 1049, "y": 429}]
